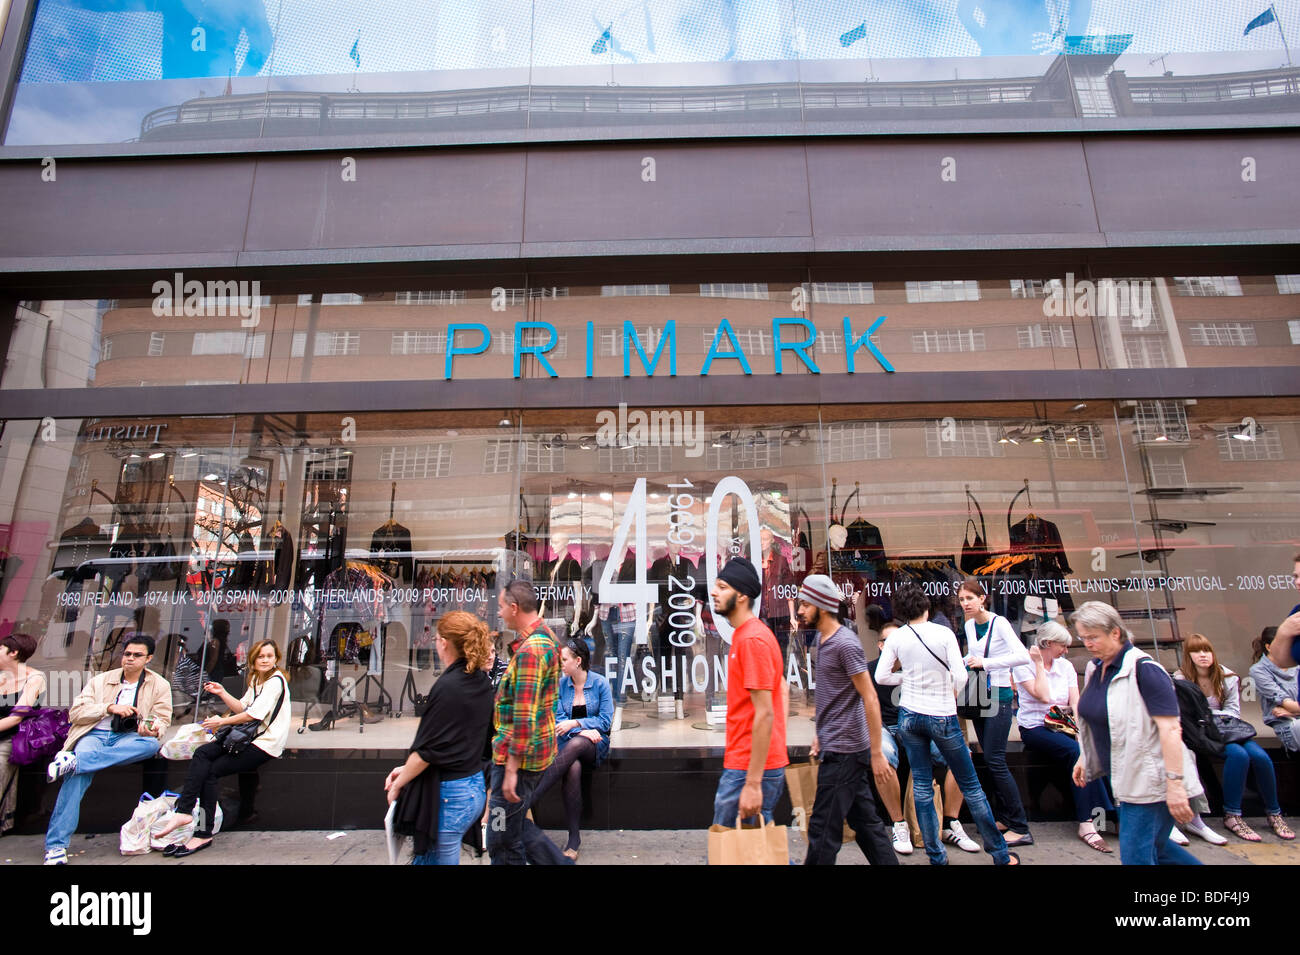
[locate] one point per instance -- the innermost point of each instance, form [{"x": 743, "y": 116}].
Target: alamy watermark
[
  {"x": 174, "y": 297},
  {"x": 656, "y": 429},
  {"x": 1086, "y": 299}
]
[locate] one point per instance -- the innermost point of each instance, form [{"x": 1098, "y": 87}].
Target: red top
[{"x": 754, "y": 664}]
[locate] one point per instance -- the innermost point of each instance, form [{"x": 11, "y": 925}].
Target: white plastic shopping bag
[
  {"x": 187, "y": 739},
  {"x": 134, "y": 840}
]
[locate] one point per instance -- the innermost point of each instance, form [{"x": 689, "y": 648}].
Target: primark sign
[{"x": 794, "y": 341}]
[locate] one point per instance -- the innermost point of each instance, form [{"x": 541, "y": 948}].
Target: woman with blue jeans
[
  {"x": 1222, "y": 690},
  {"x": 1129, "y": 731},
  {"x": 927, "y": 713},
  {"x": 439, "y": 789},
  {"x": 992, "y": 646}
]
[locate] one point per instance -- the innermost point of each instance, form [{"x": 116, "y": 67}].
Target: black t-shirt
[
  {"x": 1154, "y": 684},
  {"x": 888, "y": 708}
]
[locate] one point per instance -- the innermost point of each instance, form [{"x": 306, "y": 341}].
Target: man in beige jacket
[{"x": 118, "y": 718}]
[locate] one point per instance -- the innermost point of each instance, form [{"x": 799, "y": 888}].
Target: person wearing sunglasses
[{"x": 117, "y": 718}]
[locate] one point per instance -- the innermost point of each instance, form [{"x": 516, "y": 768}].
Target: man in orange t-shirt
[{"x": 753, "y": 773}]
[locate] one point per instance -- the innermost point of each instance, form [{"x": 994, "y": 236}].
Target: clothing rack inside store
[{"x": 469, "y": 561}]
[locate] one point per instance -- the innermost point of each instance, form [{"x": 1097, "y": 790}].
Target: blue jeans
[
  {"x": 1238, "y": 758},
  {"x": 726, "y": 801},
  {"x": 888, "y": 745},
  {"x": 1062, "y": 749},
  {"x": 462, "y": 802},
  {"x": 916, "y": 732},
  {"x": 1144, "y": 836},
  {"x": 97, "y": 750},
  {"x": 624, "y": 634},
  {"x": 992, "y": 732},
  {"x": 512, "y": 838}
]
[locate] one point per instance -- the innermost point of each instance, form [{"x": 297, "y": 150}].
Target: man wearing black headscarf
[{"x": 754, "y": 761}]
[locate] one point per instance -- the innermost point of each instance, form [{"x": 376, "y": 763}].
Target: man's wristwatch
[{"x": 1173, "y": 776}]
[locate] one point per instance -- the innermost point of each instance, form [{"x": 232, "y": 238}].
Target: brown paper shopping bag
[
  {"x": 801, "y": 780},
  {"x": 909, "y": 811},
  {"x": 765, "y": 846}
]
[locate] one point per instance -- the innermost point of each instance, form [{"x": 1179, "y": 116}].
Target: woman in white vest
[{"x": 1129, "y": 731}]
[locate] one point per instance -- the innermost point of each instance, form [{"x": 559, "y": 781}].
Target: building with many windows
[{"x": 450, "y": 294}]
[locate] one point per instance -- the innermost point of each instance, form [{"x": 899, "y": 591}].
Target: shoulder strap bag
[
  {"x": 235, "y": 739},
  {"x": 976, "y": 699}
]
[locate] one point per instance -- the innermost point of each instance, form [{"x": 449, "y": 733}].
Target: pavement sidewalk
[{"x": 1055, "y": 844}]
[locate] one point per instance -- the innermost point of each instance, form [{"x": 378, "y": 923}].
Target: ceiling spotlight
[
  {"x": 572, "y": 495},
  {"x": 558, "y": 442},
  {"x": 1038, "y": 438},
  {"x": 1161, "y": 437},
  {"x": 1243, "y": 436},
  {"x": 606, "y": 496},
  {"x": 1080, "y": 406},
  {"x": 134, "y": 454},
  {"x": 625, "y": 442},
  {"x": 156, "y": 455},
  {"x": 504, "y": 422},
  {"x": 189, "y": 454},
  {"x": 724, "y": 439},
  {"x": 1072, "y": 438},
  {"x": 795, "y": 437},
  {"x": 587, "y": 442},
  {"x": 452, "y": 433},
  {"x": 210, "y": 477}
]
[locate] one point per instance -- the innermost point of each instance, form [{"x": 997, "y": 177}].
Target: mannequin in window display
[
  {"x": 561, "y": 585},
  {"x": 778, "y": 582},
  {"x": 671, "y": 564},
  {"x": 600, "y": 625}
]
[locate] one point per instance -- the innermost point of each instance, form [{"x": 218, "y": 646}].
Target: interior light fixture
[
  {"x": 606, "y": 496},
  {"x": 587, "y": 442},
  {"x": 189, "y": 454},
  {"x": 572, "y": 495},
  {"x": 210, "y": 477},
  {"x": 504, "y": 422},
  {"x": 157, "y": 454}
]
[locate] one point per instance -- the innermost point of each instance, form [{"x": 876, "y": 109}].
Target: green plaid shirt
[{"x": 525, "y": 704}]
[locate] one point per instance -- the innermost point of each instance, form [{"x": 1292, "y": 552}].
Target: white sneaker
[
  {"x": 56, "y": 856},
  {"x": 902, "y": 839},
  {"x": 1176, "y": 836},
  {"x": 956, "y": 835},
  {"x": 63, "y": 763},
  {"x": 1198, "y": 827}
]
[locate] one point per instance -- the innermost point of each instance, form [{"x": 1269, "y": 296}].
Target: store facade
[{"x": 323, "y": 390}]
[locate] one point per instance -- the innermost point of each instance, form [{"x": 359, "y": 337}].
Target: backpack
[{"x": 1200, "y": 734}]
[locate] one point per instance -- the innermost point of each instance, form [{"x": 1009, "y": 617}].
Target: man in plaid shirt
[{"x": 524, "y": 745}]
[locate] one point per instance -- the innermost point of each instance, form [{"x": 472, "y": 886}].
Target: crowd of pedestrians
[{"x": 495, "y": 735}]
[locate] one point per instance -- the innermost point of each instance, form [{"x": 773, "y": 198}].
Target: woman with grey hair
[
  {"x": 1129, "y": 731},
  {"x": 1049, "y": 694}
]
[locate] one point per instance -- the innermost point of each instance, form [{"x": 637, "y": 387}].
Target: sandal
[
  {"x": 1095, "y": 841},
  {"x": 1237, "y": 826},
  {"x": 571, "y": 854},
  {"x": 1280, "y": 828},
  {"x": 1013, "y": 858}
]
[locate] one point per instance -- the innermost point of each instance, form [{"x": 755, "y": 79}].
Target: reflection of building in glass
[{"x": 1073, "y": 86}]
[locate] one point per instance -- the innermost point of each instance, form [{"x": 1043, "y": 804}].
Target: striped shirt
[
  {"x": 928, "y": 675},
  {"x": 841, "y": 716}
]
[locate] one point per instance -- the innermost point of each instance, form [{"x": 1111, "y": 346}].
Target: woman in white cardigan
[{"x": 992, "y": 646}]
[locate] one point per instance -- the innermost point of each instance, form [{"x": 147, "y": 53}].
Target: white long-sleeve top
[
  {"x": 1004, "y": 650},
  {"x": 927, "y": 682}
]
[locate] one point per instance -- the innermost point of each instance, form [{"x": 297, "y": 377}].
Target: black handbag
[
  {"x": 129, "y": 724},
  {"x": 975, "y": 700},
  {"x": 235, "y": 739},
  {"x": 1233, "y": 729}
]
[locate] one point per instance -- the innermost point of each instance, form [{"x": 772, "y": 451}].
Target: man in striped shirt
[{"x": 848, "y": 733}]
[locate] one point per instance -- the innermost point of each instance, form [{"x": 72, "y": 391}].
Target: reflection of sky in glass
[{"x": 106, "y": 40}]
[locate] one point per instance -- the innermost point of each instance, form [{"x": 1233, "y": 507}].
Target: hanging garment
[
  {"x": 1042, "y": 539},
  {"x": 393, "y": 538}
]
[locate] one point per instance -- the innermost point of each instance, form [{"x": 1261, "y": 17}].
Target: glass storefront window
[{"x": 343, "y": 538}]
